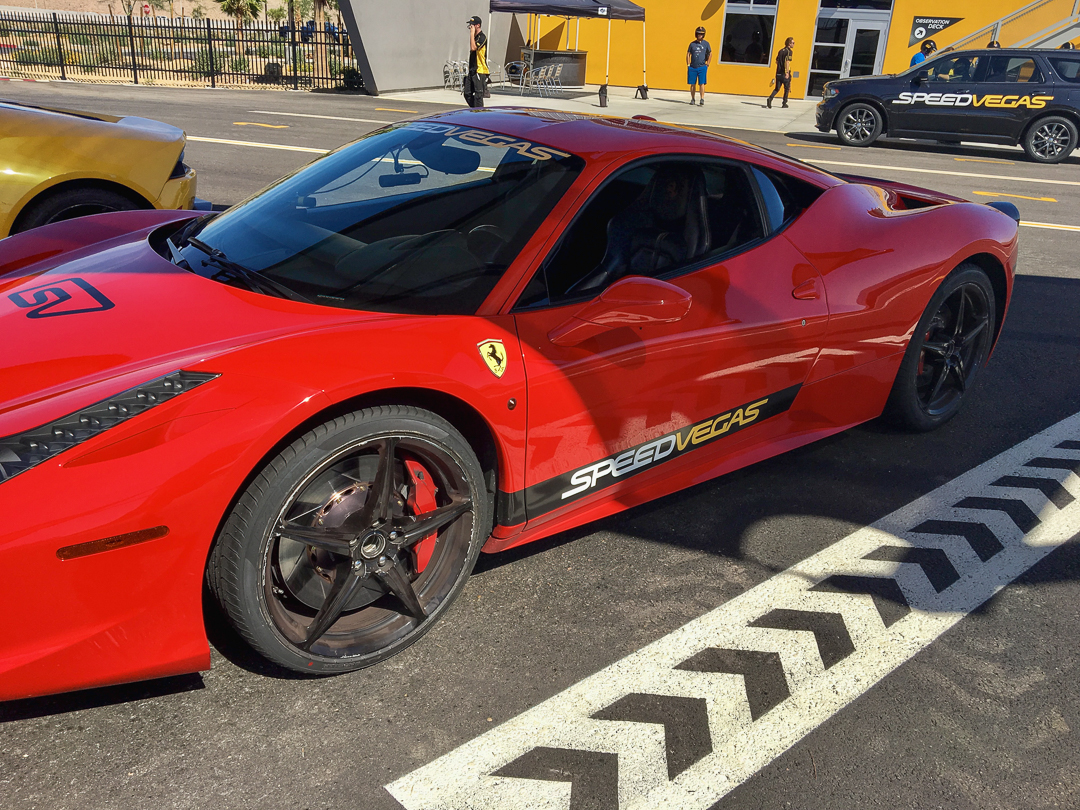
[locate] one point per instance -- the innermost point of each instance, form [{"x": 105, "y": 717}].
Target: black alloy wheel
[
  {"x": 951, "y": 343},
  {"x": 1050, "y": 139},
  {"x": 859, "y": 125},
  {"x": 347, "y": 546},
  {"x": 71, "y": 203}
]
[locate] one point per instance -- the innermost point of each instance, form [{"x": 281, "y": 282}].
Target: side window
[
  {"x": 1068, "y": 69},
  {"x": 953, "y": 69},
  {"x": 785, "y": 197},
  {"x": 1012, "y": 69},
  {"x": 654, "y": 219}
]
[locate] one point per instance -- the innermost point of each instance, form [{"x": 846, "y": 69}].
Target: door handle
[{"x": 807, "y": 291}]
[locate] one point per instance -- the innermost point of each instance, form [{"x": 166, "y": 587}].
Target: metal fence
[{"x": 180, "y": 51}]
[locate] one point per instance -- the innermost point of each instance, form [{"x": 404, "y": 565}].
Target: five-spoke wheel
[
  {"x": 949, "y": 346},
  {"x": 859, "y": 125},
  {"x": 353, "y": 540}
]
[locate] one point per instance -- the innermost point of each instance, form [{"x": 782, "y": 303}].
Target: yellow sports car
[{"x": 58, "y": 164}]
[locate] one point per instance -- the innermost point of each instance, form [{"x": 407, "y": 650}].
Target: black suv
[{"x": 1009, "y": 96}]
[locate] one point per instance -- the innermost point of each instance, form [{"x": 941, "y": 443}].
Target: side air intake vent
[{"x": 22, "y": 451}]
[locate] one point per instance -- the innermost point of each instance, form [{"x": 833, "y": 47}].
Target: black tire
[
  {"x": 316, "y": 575},
  {"x": 950, "y": 344},
  {"x": 1050, "y": 139},
  {"x": 859, "y": 124},
  {"x": 71, "y": 203}
]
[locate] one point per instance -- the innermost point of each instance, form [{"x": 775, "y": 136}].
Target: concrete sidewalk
[{"x": 672, "y": 106}]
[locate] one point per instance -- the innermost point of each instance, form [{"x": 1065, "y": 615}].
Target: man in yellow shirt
[{"x": 475, "y": 83}]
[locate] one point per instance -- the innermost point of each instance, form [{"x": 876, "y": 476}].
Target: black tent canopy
[
  {"x": 602, "y": 9},
  {"x": 611, "y": 9}
]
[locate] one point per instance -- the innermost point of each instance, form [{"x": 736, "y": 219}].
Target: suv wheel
[
  {"x": 1050, "y": 139},
  {"x": 859, "y": 125}
]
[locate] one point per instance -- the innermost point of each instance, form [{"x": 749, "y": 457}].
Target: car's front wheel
[
  {"x": 950, "y": 344},
  {"x": 859, "y": 124},
  {"x": 1050, "y": 139},
  {"x": 350, "y": 543},
  {"x": 72, "y": 203}
]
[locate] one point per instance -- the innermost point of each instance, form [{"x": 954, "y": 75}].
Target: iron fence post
[
  {"x": 292, "y": 41},
  {"x": 210, "y": 51},
  {"x": 59, "y": 46},
  {"x": 131, "y": 40}
]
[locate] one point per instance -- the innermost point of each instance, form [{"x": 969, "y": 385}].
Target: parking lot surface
[{"x": 534, "y": 690}]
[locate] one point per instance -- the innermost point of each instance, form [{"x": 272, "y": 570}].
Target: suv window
[
  {"x": 1012, "y": 69},
  {"x": 653, "y": 219},
  {"x": 960, "y": 68},
  {"x": 1068, "y": 69}
]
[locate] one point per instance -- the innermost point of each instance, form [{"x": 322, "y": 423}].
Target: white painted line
[
  {"x": 1050, "y": 225},
  {"x": 607, "y": 722},
  {"x": 259, "y": 145},
  {"x": 328, "y": 117},
  {"x": 1009, "y": 178}
]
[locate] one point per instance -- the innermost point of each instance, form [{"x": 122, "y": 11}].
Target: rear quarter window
[{"x": 1067, "y": 69}]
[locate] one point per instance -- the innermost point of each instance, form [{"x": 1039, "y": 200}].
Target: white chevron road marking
[{"x": 885, "y": 634}]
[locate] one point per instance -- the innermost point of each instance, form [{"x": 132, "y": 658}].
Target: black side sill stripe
[{"x": 514, "y": 508}]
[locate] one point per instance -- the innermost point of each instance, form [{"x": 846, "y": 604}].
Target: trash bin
[{"x": 603, "y": 95}]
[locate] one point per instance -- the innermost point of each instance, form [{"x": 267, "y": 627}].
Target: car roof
[{"x": 595, "y": 137}]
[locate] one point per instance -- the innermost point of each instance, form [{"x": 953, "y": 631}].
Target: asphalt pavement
[{"x": 559, "y": 645}]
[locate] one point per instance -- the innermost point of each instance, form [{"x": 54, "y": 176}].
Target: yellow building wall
[
  {"x": 977, "y": 14},
  {"x": 670, "y": 28}
]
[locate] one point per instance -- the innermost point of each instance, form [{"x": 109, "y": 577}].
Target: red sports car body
[{"x": 325, "y": 400}]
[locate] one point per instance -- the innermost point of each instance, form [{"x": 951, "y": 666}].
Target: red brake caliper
[{"x": 421, "y": 499}]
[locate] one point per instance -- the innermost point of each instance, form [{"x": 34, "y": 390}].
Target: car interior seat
[{"x": 667, "y": 226}]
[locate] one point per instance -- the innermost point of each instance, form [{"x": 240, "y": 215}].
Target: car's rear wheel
[
  {"x": 1050, "y": 139},
  {"x": 349, "y": 544},
  {"x": 72, "y": 203},
  {"x": 859, "y": 124},
  {"x": 950, "y": 344}
]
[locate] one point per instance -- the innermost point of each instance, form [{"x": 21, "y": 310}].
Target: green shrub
[
  {"x": 353, "y": 79},
  {"x": 239, "y": 64},
  {"x": 201, "y": 68}
]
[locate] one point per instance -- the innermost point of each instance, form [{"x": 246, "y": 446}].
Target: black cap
[
  {"x": 700, "y": 29},
  {"x": 474, "y": 20},
  {"x": 929, "y": 44}
]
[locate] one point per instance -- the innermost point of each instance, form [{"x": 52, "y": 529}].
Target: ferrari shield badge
[{"x": 494, "y": 354}]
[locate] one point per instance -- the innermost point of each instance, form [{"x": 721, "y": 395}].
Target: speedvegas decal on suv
[{"x": 1012, "y": 96}]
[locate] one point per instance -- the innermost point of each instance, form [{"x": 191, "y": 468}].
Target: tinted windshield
[{"x": 420, "y": 218}]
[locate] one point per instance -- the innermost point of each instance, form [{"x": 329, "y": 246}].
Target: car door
[
  {"x": 1003, "y": 95},
  {"x": 937, "y": 105},
  {"x": 647, "y": 363}
]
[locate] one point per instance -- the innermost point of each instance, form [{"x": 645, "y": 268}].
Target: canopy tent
[{"x": 611, "y": 9}]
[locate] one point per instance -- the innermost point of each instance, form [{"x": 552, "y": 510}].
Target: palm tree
[{"x": 243, "y": 11}]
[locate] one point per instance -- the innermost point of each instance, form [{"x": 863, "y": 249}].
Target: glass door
[{"x": 845, "y": 47}]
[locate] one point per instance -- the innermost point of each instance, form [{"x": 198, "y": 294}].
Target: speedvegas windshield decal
[
  {"x": 526, "y": 149},
  {"x": 568, "y": 487},
  {"x": 1032, "y": 102}
]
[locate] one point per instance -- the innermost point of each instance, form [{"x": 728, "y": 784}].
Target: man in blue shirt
[
  {"x": 927, "y": 49},
  {"x": 697, "y": 64}
]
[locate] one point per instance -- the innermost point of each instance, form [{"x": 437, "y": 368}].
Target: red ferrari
[{"x": 460, "y": 333}]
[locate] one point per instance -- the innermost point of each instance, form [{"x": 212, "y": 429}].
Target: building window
[
  {"x": 748, "y": 31},
  {"x": 877, "y": 5}
]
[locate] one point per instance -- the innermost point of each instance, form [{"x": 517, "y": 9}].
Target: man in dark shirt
[
  {"x": 697, "y": 64},
  {"x": 783, "y": 72},
  {"x": 476, "y": 82}
]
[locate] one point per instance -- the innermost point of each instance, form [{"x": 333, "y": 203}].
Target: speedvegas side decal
[
  {"x": 968, "y": 100},
  {"x": 568, "y": 487}
]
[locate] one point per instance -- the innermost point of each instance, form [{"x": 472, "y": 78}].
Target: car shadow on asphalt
[
  {"x": 963, "y": 150},
  {"x": 94, "y": 698}
]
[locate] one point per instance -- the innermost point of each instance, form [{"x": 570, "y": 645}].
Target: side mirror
[
  {"x": 631, "y": 301},
  {"x": 922, "y": 76}
]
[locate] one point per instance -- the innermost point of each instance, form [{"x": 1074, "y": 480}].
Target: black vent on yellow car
[
  {"x": 180, "y": 169},
  {"x": 22, "y": 451}
]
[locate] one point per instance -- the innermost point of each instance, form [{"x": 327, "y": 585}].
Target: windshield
[{"x": 420, "y": 218}]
